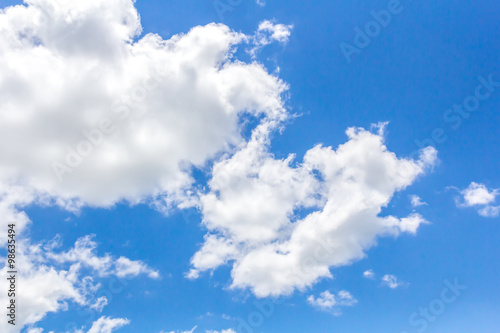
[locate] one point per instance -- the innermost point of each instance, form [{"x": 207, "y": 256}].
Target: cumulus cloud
[
  {"x": 479, "y": 196},
  {"x": 416, "y": 201},
  {"x": 329, "y": 302},
  {"x": 392, "y": 281},
  {"x": 90, "y": 114},
  {"x": 253, "y": 210}
]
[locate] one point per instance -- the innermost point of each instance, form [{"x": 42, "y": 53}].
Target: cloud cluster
[
  {"x": 101, "y": 325},
  {"x": 283, "y": 226},
  {"x": 479, "y": 196},
  {"x": 50, "y": 280},
  {"x": 92, "y": 113},
  {"x": 332, "y": 303}
]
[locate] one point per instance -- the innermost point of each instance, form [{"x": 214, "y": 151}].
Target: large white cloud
[
  {"x": 254, "y": 210},
  {"x": 89, "y": 114}
]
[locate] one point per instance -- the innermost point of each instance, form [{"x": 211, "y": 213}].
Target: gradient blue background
[{"x": 427, "y": 59}]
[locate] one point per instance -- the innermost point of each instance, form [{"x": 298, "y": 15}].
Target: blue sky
[{"x": 430, "y": 57}]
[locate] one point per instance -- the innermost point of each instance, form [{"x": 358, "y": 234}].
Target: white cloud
[
  {"x": 251, "y": 210},
  {"x": 100, "y": 303},
  {"x": 35, "y": 330},
  {"x": 108, "y": 325},
  {"x": 490, "y": 211},
  {"x": 84, "y": 253},
  {"x": 69, "y": 70},
  {"x": 392, "y": 281},
  {"x": 126, "y": 267},
  {"x": 269, "y": 32},
  {"x": 13, "y": 197},
  {"x": 369, "y": 274},
  {"x": 331, "y": 303},
  {"x": 72, "y": 78},
  {"x": 119, "y": 118},
  {"x": 51, "y": 280},
  {"x": 416, "y": 201},
  {"x": 479, "y": 196},
  {"x": 278, "y": 32}
]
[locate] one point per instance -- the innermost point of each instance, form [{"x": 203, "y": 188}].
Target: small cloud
[
  {"x": 269, "y": 32},
  {"x": 277, "y": 32},
  {"x": 416, "y": 201},
  {"x": 261, "y": 3},
  {"x": 108, "y": 325},
  {"x": 392, "y": 281},
  {"x": 369, "y": 274},
  {"x": 35, "y": 330},
  {"x": 490, "y": 211},
  {"x": 331, "y": 303},
  {"x": 479, "y": 196}
]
